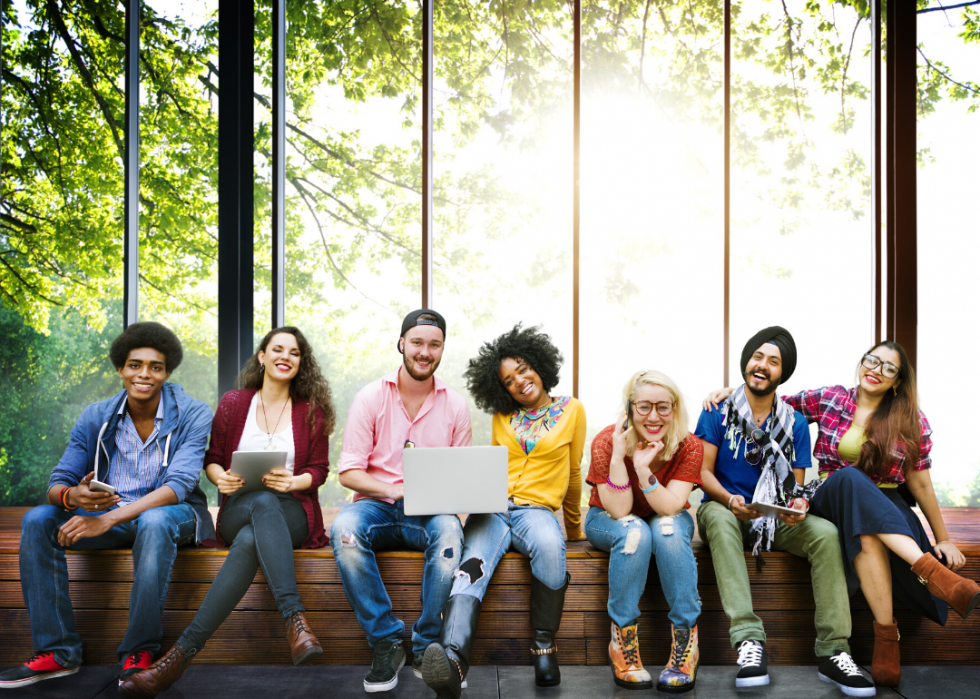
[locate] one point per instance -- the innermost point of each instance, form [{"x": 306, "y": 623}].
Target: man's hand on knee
[{"x": 79, "y": 527}]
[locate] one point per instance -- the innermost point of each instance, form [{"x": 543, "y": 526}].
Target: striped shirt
[
  {"x": 832, "y": 408},
  {"x": 136, "y": 466}
]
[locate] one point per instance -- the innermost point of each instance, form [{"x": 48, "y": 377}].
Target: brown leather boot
[
  {"x": 962, "y": 594},
  {"x": 886, "y": 667},
  {"x": 159, "y": 676},
  {"x": 302, "y": 643}
]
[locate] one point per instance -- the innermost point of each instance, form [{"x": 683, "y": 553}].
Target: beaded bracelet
[
  {"x": 620, "y": 488},
  {"x": 64, "y": 500}
]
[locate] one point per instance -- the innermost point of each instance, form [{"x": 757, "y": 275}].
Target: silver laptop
[{"x": 455, "y": 480}]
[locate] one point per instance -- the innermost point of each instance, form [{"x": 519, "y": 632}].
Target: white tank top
[{"x": 254, "y": 439}]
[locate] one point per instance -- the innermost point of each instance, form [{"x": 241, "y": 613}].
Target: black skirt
[{"x": 852, "y": 501}]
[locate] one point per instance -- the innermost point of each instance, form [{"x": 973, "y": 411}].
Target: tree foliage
[{"x": 505, "y": 65}]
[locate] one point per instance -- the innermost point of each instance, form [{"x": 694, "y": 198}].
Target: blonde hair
[{"x": 677, "y": 431}]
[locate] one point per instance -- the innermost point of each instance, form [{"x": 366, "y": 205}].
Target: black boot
[
  {"x": 546, "y": 607},
  {"x": 447, "y": 661}
]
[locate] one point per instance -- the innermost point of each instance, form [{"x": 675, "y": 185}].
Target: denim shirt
[{"x": 183, "y": 433}]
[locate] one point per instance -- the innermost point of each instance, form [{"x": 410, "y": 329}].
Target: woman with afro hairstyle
[
  {"x": 512, "y": 378},
  {"x": 284, "y": 404}
]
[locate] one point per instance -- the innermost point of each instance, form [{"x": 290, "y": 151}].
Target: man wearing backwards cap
[
  {"x": 407, "y": 408},
  {"x": 756, "y": 449}
]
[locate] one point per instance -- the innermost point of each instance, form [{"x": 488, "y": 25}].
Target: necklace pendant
[{"x": 270, "y": 446}]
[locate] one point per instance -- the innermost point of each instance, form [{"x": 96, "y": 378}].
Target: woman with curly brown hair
[
  {"x": 284, "y": 404},
  {"x": 512, "y": 378}
]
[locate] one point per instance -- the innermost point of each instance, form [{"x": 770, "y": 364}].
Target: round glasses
[
  {"x": 644, "y": 408},
  {"x": 888, "y": 370}
]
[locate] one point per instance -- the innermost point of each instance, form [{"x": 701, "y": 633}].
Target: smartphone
[
  {"x": 100, "y": 486},
  {"x": 629, "y": 414}
]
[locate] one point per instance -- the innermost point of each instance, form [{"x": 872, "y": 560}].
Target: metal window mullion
[
  {"x": 576, "y": 188},
  {"x": 278, "y": 163},
  {"x": 727, "y": 181},
  {"x": 236, "y": 217},
  {"x": 876, "y": 166},
  {"x": 131, "y": 168},
  {"x": 427, "y": 134}
]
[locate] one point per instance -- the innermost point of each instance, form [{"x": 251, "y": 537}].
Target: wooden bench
[{"x": 101, "y": 581}]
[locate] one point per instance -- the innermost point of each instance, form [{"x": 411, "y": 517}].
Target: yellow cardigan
[{"x": 551, "y": 474}]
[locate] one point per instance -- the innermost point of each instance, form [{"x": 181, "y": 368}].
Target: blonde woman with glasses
[{"x": 644, "y": 467}]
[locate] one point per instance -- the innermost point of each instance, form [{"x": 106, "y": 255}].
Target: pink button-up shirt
[{"x": 378, "y": 427}]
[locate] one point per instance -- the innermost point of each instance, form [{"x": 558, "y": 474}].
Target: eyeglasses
[
  {"x": 644, "y": 408},
  {"x": 888, "y": 370}
]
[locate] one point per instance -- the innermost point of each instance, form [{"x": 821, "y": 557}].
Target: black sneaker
[
  {"x": 389, "y": 657},
  {"x": 417, "y": 664},
  {"x": 753, "y": 662},
  {"x": 41, "y": 667},
  {"x": 841, "y": 670}
]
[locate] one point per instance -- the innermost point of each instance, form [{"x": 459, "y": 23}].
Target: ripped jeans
[
  {"x": 529, "y": 529},
  {"x": 365, "y": 526},
  {"x": 631, "y": 542}
]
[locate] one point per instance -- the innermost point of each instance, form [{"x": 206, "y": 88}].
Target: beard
[
  {"x": 417, "y": 375},
  {"x": 768, "y": 389}
]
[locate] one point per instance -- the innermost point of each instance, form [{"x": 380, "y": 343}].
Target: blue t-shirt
[{"x": 735, "y": 474}]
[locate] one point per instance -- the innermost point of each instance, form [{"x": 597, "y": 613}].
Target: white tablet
[
  {"x": 250, "y": 466},
  {"x": 773, "y": 510}
]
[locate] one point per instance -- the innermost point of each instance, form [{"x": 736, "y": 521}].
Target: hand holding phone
[{"x": 92, "y": 495}]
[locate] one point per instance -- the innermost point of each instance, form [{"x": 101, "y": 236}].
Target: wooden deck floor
[{"x": 101, "y": 581}]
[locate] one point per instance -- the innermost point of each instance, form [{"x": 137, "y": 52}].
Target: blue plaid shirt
[{"x": 137, "y": 465}]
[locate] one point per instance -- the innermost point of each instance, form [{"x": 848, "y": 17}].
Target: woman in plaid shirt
[{"x": 878, "y": 428}]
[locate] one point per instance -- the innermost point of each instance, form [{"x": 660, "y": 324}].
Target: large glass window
[
  {"x": 353, "y": 226},
  {"x": 179, "y": 183},
  {"x": 801, "y": 219},
  {"x": 652, "y": 262},
  {"x": 61, "y": 194},
  {"x": 503, "y": 194},
  {"x": 949, "y": 119}
]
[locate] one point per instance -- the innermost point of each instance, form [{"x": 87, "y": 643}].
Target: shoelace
[
  {"x": 630, "y": 652},
  {"x": 680, "y": 654},
  {"x": 136, "y": 658},
  {"x": 38, "y": 656},
  {"x": 749, "y": 653},
  {"x": 846, "y": 664},
  {"x": 168, "y": 660},
  {"x": 298, "y": 623}
]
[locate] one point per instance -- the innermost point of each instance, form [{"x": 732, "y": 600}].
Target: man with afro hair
[{"x": 129, "y": 478}]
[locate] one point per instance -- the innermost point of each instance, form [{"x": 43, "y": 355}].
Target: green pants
[{"x": 814, "y": 539}]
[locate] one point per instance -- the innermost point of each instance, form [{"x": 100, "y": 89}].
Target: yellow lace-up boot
[
  {"x": 624, "y": 656},
  {"x": 679, "y": 674}
]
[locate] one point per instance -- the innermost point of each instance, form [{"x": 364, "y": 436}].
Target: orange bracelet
[{"x": 64, "y": 500}]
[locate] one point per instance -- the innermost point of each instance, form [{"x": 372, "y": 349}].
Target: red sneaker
[
  {"x": 135, "y": 662},
  {"x": 41, "y": 667}
]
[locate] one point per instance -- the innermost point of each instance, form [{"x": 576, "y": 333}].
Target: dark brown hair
[
  {"x": 894, "y": 423},
  {"x": 308, "y": 384}
]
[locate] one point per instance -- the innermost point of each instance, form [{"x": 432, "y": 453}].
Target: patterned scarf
[
  {"x": 531, "y": 426},
  {"x": 777, "y": 484}
]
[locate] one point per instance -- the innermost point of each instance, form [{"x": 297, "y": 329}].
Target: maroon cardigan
[{"x": 311, "y": 455}]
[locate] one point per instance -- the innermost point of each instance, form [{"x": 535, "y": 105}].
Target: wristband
[
  {"x": 652, "y": 487},
  {"x": 64, "y": 500},
  {"x": 730, "y": 502},
  {"x": 618, "y": 488}
]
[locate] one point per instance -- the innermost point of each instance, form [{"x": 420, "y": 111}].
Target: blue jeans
[
  {"x": 154, "y": 536},
  {"x": 631, "y": 542},
  {"x": 528, "y": 529},
  {"x": 369, "y": 525}
]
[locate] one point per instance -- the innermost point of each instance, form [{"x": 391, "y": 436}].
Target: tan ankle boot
[
  {"x": 159, "y": 676},
  {"x": 886, "y": 667},
  {"x": 624, "y": 656},
  {"x": 302, "y": 643},
  {"x": 962, "y": 594}
]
